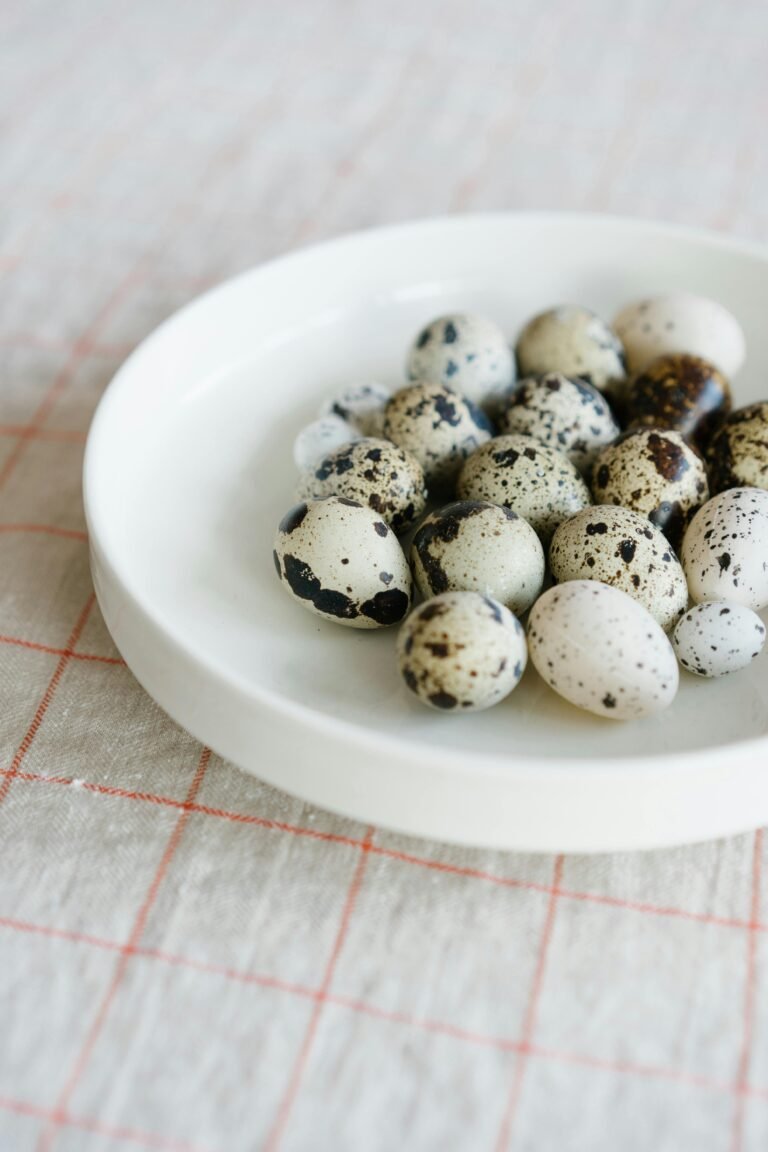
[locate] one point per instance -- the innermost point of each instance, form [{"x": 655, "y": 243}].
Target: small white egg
[
  {"x": 680, "y": 322},
  {"x": 438, "y": 426},
  {"x": 465, "y": 352},
  {"x": 572, "y": 340},
  {"x": 564, "y": 412},
  {"x": 725, "y": 549},
  {"x": 319, "y": 438},
  {"x": 718, "y": 637},
  {"x": 602, "y": 651},
  {"x": 461, "y": 651},
  {"x": 362, "y": 406},
  {"x": 619, "y": 547},
  {"x": 341, "y": 561},
  {"x": 518, "y": 472},
  {"x": 375, "y": 473},
  {"x": 471, "y": 546}
]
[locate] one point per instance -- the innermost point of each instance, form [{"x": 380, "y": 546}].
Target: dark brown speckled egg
[
  {"x": 656, "y": 473},
  {"x": 680, "y": 392}
]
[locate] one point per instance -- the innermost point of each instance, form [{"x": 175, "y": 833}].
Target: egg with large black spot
[
  {"x": 680, "y": 392},
  {"x": 656, "y": 473},
  {"x": 438, "y": 426},
  {"x": 738, "y": 454},
  {"x": 341, "y": 561},
  {"x": 466, "y": 352}
]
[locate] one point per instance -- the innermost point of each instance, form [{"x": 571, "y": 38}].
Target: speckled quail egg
[
  {"x": 438, "y": 426},
  {"x": 468, "y": 353},
  {"x": 319, "y": 438},
  {"x": 563, "y": 411},
  {"x": 362, "y": 406},
  {"x": 725, "y": 549},
  {"x": 375, "y": 473},
  {"x": 602, "y": 651},
  {"x": 572, "y": 340},
  {"x": 461, "y": 651},
  {"x": 718, "y": 637},
  {"x": 655, "y": 473},
  {"x": 738, "y": 454},
  {"x": 621, "y": 548},
  {"x": 680, "y": 322},
  {"x": 478, "y": 547},
  {"x": 340, "y": 560},
  {"x": 680, "y": 392},
  {"x": 537, "y": 481}
]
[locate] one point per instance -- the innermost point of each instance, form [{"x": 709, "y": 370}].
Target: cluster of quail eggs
[{"x": 594, "y": 479}]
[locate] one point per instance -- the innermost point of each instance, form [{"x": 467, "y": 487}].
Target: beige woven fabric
[{"x": 189, "y": 960}]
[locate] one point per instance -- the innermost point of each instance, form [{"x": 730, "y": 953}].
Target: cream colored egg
[{"x": 680, "y": 322}]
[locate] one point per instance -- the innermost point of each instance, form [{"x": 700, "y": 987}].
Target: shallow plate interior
[{"x": 189, "y": 469}]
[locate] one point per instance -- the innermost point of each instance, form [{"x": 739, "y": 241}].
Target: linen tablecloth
[{"x": 188, "y": 959}]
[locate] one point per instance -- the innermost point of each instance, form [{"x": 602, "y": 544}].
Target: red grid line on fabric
[
  {"x": 45, "y": 530},
  {"x": 425, "y": 1024},
  {"x": 80, "y": 350},
  {"x": 88, "y": 1124},
  {"x": 529, "y": 1021},
  {"x": 639, "y": 906},
  {"x": 60, "y": 1111},
  {"x": 33, "y": 342},
  {"x": 34, "y": 432},
  {"x": 35, "y": 647},
  {"x": 750, "y": 982},
  {"x": 11, "y": 773},
  {"x": 285, "y": 1107}
]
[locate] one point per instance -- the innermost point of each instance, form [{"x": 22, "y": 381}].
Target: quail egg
[
  {"x": 680, "y": 322},
  {"x": 619, "y": 547},
  {"x": 461, "y": 651},
  {"x": 718, "y": 637},
  {"x": 375, "y": 473},
  {"x": 725, "y": 549},
  {"x": 362, "y": 406},
  {"x": 438, "y": 426},
  {"x": 738, "y": 454},
  {"x": 572, "y": 340},
  {"x": 655, "y": 473},
  {"x": 341, "y": 561},
  {"x": 537, "y": 481},
  {"x": 602, "y": 651},
  {"x": 479, "y": 547},
  {"x": 467, "y": 353},
  {"x": 564, "y": 412},
  {"x": 680, "y": 392},
  {"x": 319, "y": 438}
]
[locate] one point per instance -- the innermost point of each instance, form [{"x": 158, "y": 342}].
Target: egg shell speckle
[
  {"x": 479, "y": 547},
  {"x": 461, "y": 651},
  {"x": 656, "y": 473},
  {"x": 375, "y": 473},
  {"x": 536, "y": 481},
  {"x": 466, "y": 352},
  {"x": 681, "y": 392},
  {"x": 319, "y": 438},
  {"x": 574, "y": 341},
  {"x": 725, "y": 549},
  {"x": 602, "y": 651},
  {"x": 564, "y": 412},
  {"x": 619, "y": 547},
  {"x": 362, "y": 406},
  {"x": 438, "y": 426},
  {"x": 341, "y": 561},
  {"x": 680, "y": 322},
  {"x": 716, "y": 638},
  {"x": 738, "y": 454}
]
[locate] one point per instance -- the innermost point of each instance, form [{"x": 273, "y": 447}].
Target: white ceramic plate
[{"x": 189, "y": 468}]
